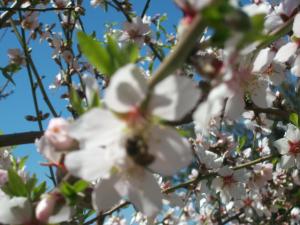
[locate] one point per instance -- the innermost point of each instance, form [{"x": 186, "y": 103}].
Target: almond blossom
[
  {"x": 135, "y": 31},
  {"x": 287, "y": 51},
  {"x": 129, "y": 140},
  {"x": 230, "y": 184},
  {"x": 289, "y": 148},
  {"x": 15, "y": 210},
  {"x": 56, "y": 140}
]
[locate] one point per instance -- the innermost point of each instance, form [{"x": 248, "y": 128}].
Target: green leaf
[
  {"x": 294, "y": 118},
  {"x": 39, "y": 190},
  {"x": 76, "y": 102},
  {"x": 97, "y": 55},
  {"x": 22, "y": 162},
  {"x": 80, "y": 186},
  {"x": 241, "y": 143},
  {"x": 15, "y": 185},
  {"x": 109, "y": 58},
  {"x": 30, "y": 183}
]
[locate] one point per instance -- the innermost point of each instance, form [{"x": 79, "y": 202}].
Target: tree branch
[{"x": 19, "y": 138}]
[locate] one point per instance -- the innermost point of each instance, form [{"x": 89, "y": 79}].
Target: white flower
[
  {"x": 56, "y": 140},
  {"x": 30, "y": 21},
  {"x": 16, "y": 56},
  {"x": 289, "y": 148},
  {"x": 291, "y": 49},
  {"x": 262, "y": 173},
  {"x": 96, "y": 3},
  {"x": 117, "y": 147},
  {"x": 16, "y": 210},
  {"x": 230, "y": 183},
  {"x": 295, "y": 216},
  {"x": 135, "y": 31}
]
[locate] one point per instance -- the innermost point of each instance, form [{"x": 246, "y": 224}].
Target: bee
[{"x": 137, "y": 149}]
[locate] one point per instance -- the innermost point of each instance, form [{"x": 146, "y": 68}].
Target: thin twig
[
  {"x": 14, "y": 9},
  {"x": 146, "y": 7}
]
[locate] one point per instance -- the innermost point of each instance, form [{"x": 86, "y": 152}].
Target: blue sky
[{"x": 14, "y": 108}]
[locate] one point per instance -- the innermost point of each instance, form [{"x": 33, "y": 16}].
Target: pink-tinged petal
[
  {"x": 145, "y": 194},
  {"x": 47, "y": 150},
  {"x": 105, "y": 195},
  {"x": 96, "y": 128},
  {"x": 262, "y": 95},
  {"x": 16, "y": 210},
  {"x": 225, "y": 171},
  {"x": 298, "y": 161},
  {"x": 127, "y": 89},
  {"x": 212, "y": 107},
  {"x": 254, "y": 9},
  {"x": 235, "y": 106},
  {"x": 296, "y": 25},
  {"x": 171, "y": 151},
  {"x": 225, "y": 194},
  {"x": 272, "y": 21},
  {"x": 174, "y": 97},
  {"x": 287, "y": 161},
  {"x": 241, "y": 175},
  {"x": 90, "y": 164},
  {"x": 278, "y": 75},
  {"x": 289, "y": 6},
  {"x": 282, "y": 146},
  {"x": 263, "y": 60},
  {"x": 91, "y": 88},
  {"x": 296, "y": 66},
  {"x": 64, "y": 213},
  {"x": 237, "y": 191},
  {"x": 217, "y": 184},
  {"x": 286, "y": 52},
  {"x": 292, "y": 133}
]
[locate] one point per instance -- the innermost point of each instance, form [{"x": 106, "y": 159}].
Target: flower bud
[{"x": 46, "y": 207}]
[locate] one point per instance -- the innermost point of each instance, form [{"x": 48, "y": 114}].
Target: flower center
[
  {"x": 228, "y": 180},
  {"x": 248, "y": 201},
  {"x": 137, "y": 149},
  {"x": 294, "y": 147}
]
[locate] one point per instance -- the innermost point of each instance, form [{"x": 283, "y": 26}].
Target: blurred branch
[
  {"x": 19, "y": 138},
  {"x": 15, "y": 9}
]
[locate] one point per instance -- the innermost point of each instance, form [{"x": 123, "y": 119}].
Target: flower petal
[
  {"x": 174, "y": 97},
  {"x": 104, "y": 195},
  {"x": 282, "y": 146},
  {"x": 145, "y": 194},
  {"x": 287, "y": 161},
  {"x": 296, "y": 25},
  {"x": 127, "y": 89},
  {"x": 16, "y": 210},
  {"x": 47, "y": 150},
  {"x": 263, "y": 60},
  {"x": 296, "y": 66},
  {"x": 171, "y": 151},
  {"x": 292, "y": 133},
  {"x": 286, "y": 52},
  {"x": 64, "y": 214},
  {"x": 235, "y": 106},
  {"x": 96, "y": 128},
  {"x": 91, "y": 164}
]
